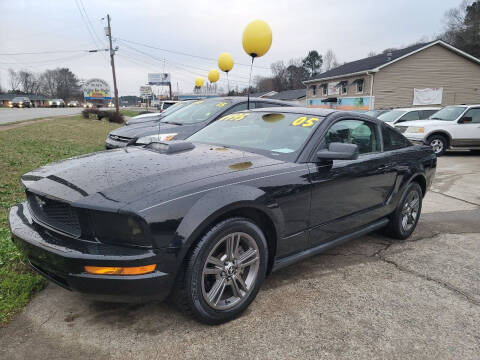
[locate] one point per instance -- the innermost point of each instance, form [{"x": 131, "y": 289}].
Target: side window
[
  {"x": 425, "y": 114},
  {"x": 392, "y": 140},
  {"x": 359, "y": 132},
  {"x": 235, "y": 108},
  {"x": 266, "y": 104},
  {"x": 411, "y": 115},
  {"x": 474, "y": 114}
]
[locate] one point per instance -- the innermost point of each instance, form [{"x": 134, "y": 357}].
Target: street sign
[
  {"x": 145, "y": 91},
  {"x": 158, "y": 79},
  {"x": 96, "y": 89}
]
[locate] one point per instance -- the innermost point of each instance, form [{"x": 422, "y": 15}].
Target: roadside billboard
[
  {"x": 96, "y": 89},
  {"x": 158, "y": 79}
]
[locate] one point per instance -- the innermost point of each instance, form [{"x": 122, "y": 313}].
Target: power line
[
  {"x": 46, "y": 52},
  {"x": 185, "y": 54}
]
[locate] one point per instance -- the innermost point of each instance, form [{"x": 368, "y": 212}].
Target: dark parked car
[
  {"x": 20, "y": 102},
  {"x": 184, "y": 122},
  {"x": 206, "y": 219},
  {"x": 156, "y": 116}
]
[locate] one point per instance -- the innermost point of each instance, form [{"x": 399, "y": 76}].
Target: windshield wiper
[
  {"x": 435, "y": 118},
  {"x": 172, "y": 122}
]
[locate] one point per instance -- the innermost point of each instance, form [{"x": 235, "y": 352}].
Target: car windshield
[
  {"x": 274, "y": 132},
  {"x": 391, "y": 116},
  {"x": 198, "y": 111},
  {"x": 448, "y": 113},
  {"x": 17, "y": 99}
]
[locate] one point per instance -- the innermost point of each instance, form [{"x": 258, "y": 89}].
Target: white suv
[{"x": 453, "y": 127}]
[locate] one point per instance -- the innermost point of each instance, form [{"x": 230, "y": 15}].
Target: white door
[{"x": 467, "y": 133}]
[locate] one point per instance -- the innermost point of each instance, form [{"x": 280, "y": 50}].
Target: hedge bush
[{"x": 111, "y": 116}]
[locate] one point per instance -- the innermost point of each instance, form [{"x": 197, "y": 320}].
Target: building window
[
  {"x": 324, "y": 89},
  {"x": 360, "y": 87},
  {"x": 314, "y": 90},
  {"x": 344, "y": 89}
]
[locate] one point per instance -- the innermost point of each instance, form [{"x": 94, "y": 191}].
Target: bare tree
[
  {"x": 279, "y": 72},
  {"x": 14, "y": 80},
  {"x": 371, "y": 53},
  {"x": 330, "y": 60}
]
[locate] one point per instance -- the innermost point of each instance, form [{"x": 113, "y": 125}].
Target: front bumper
[
  {"x": 62, "y": 260},
  {"x": 113, "y": 144}
]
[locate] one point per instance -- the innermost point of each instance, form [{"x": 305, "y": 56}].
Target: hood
[
  {"x": 118, "y": 177},
  {"x": 144, "y": 129},
  {"x": 144, "y": 118},
  {"x": 423, "y": 123}
]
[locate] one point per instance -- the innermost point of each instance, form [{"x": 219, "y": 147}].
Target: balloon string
[
  {"x": 228, "y": 86},
  {"x": 249, "y": 81}
]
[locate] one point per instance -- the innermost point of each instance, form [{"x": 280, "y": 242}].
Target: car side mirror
[
  {"x": 465, "y": 119},
  {"x": 338, "y": 151}
]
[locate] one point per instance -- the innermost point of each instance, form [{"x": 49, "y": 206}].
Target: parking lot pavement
[
  {"x": 371, "y": 298},
  {"x": 8, "y": 115}
]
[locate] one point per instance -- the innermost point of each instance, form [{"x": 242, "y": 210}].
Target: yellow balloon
[
  {"x": 225, "y": 62},
  {"x": 199, "y": 81},
  {"x": 257, "y": 38},
  {"x": 213, "y": 75}
]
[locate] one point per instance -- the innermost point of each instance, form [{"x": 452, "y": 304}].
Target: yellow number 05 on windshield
[{"x": 304, "y": 121}]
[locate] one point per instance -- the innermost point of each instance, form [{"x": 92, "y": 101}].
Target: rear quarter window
[{"x": 393, "y": 140}]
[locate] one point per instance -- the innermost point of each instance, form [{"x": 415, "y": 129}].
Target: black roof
[
  {"x": 298, "y": 110},
  {"x": 289, "y": 94},
  {"x": 368, "y": 63}
]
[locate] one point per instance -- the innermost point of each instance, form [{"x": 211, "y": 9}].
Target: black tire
[
  {"x": 189, "y": 293},
  {"x": 396, "y": 227},
  {"x": 439, "y": 144}
]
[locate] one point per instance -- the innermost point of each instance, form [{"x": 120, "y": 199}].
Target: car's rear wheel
[
  {"x": 224, "y": 272},
  {"x": 438, "y": 143},
  {"x": 405, "y": 218}
]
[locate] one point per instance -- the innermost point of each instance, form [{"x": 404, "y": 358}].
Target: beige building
[{"x": 435, "y": 73}]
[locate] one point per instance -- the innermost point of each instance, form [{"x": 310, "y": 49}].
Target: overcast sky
[{"x": 203, "y": 28}]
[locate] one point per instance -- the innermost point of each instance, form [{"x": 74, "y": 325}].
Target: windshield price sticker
[
  {"x": 304, "y": 121},
  {"x": 235, "y": 117},
  {"x": 198, "y": 102},
  {"x": 221, "y": 104}
]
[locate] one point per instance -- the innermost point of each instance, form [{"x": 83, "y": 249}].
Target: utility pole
[{"x": 112, "y": 62}]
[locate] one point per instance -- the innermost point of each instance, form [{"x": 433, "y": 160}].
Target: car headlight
[
  {"x": 145, "y": 140},
  {"x": 415, "y": 129},
  {"x": 117, "y": 228}
]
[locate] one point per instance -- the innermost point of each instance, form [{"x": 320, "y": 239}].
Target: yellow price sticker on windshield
[
  {"x": 304, "y": 121},
  {"x": 198, "y": 102},
  {"x": 235, "y": 117},
  {"x": 221, "y": 104}
]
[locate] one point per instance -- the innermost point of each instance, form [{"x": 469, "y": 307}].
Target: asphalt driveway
[{"x": 371, "y": 298}]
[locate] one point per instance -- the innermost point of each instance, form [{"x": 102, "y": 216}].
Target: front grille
[
  {"x": 402, "y": 129},
  {"x": 119, "y": 138},
  {"x": 56, "y": 214}
]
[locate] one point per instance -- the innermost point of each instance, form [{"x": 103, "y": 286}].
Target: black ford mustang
[{"x": 206, "y": 219}]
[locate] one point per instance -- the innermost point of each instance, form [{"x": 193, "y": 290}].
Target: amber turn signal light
[{"x": 117, "y": 270}]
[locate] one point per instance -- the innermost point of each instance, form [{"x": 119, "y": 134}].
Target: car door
[
  {"x": 347, "y": 194},
  {"x": 466, "y": 132}
]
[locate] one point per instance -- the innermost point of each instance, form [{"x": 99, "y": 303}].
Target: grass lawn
[
  {"x": 131, "y": 113},
  {"x": 21, "y": 150}
]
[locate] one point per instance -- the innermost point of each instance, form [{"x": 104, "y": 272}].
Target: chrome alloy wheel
[
  {"x": 437, "y": 145},
  {"x": 230, "y": 271},
  {"x": 410, "y": 210}
]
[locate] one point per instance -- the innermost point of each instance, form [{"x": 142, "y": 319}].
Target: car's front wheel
[
  {"x": 438, "y": 143},
  {"x": 224, "y": 271}
]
